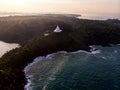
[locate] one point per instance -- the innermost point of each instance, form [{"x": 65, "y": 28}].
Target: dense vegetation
[
  {"x": 29, "y": 32},
  {"x": 22, "y": 28}
]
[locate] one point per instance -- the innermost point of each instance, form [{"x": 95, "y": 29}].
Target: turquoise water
[{"x": 80, "y": 70}]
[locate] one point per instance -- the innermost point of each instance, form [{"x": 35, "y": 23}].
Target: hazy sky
[{"x": 61, "y": 6}]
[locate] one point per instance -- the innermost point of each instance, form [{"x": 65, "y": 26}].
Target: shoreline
[
  {"x": 88, "y": 16},
  {"x": 39, "y": 58},
  {"x": 93, "y": 51},
  {"x": 21, "y": 72},
  {"x": 77, "y": 34},
  {"x": 6, "y": 47},
  {"x": 37, "y": 15}
]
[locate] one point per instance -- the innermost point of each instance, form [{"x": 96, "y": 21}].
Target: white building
[{"x": 57, "y": 30}]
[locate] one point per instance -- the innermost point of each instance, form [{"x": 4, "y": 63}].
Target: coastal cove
[
  {"x": 79, "y": 69},
  {"x": 5, "y": 47}
]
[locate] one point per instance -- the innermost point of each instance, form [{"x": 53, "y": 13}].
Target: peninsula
[{"x": 29, "y": 32}]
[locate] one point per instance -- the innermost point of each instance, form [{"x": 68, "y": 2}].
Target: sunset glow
[{"x": 60, "y": 6}]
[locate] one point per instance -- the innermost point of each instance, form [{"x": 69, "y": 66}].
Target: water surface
[
  {"x": 94, "y": 16},
  {"x": 4, "y": 47},
  {"x": 80, "y": 70}
]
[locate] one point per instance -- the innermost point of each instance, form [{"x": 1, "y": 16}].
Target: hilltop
[{"x": 16, "y": 29}]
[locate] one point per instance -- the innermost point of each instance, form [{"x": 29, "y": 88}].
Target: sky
[{"x": 61, "y": 6}]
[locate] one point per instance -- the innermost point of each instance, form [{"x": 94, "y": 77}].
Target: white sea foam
[
  {"x": 49, "y": 56},
  {"x": 37, "y": 59},
  {"x": 28, "y": 86},
  {"x": 26, "y": 69},
  {"x": 79, "y": 51},
  {"x": 94, "y": 50}
]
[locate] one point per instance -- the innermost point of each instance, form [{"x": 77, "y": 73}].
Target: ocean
[
  {"x": 80, "y": 70},
  {"x": 99, "y": 16},
  {"x": 5, "y": 47}
]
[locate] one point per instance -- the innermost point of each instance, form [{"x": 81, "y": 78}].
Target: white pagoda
[{"x": 57, "y": 30}]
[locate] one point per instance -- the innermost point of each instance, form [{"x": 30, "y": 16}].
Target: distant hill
[
  {"x": 19, "y": 29},
  {"x": 22, "y": 28}
]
